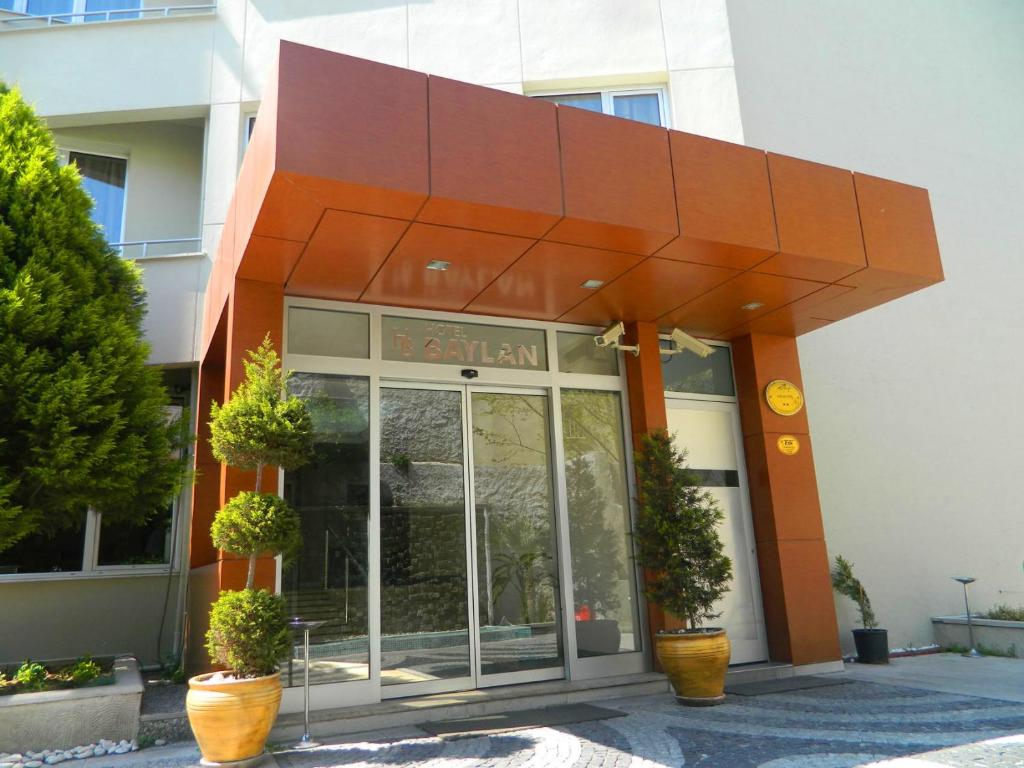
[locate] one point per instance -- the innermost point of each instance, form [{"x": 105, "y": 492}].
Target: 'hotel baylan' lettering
[{"x": 463, "y": 350}]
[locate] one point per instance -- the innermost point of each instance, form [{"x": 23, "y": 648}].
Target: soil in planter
[{"x": 57, "y": 675}]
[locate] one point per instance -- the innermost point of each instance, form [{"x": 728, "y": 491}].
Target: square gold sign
[
  {"x": 788, "y": 444},
  {"x": 783, "y": 397}
]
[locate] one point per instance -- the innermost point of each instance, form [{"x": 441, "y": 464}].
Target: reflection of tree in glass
[
  {"x": 523, "y": 564},
  {"x": 592, "y": 439}
]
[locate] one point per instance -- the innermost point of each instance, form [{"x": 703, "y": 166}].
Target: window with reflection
[
  {"x": 328, "y": 579},
  {"x": 600, "y": 525},
  {"x": 711, "y": 375}
]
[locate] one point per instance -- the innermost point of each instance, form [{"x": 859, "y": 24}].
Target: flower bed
[
  {"x": 1005, "y": 638},
  {"x": 34, "y": 676},
  {"x": 65, "y": 719}
]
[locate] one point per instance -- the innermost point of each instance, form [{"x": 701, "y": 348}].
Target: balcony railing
[
  {"x": 152, "y": 249},
  {"x": 27, "y": 21}
]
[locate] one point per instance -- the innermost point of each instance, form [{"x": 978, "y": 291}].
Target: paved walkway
[{"x": 858, "y": 723}]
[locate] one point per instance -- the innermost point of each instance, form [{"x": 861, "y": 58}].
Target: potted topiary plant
[
  {"x": 677, "y": 542},
  {"x": 232, "y": 711},
  {"x": 872, "y": 643}
]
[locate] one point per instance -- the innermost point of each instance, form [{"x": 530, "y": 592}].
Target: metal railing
[
  {"x": 141, "y": 249},
  {"x": 26, "y": 21}
]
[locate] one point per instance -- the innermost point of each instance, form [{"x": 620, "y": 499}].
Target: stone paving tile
[{"x": 859, "y": 724}]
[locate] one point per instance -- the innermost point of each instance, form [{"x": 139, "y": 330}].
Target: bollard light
[{"x": 965, "y": 580}]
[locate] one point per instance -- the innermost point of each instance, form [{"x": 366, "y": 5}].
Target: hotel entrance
[
  {"x": 467, "y": 516},
  {"x": 469, "y": 558}
]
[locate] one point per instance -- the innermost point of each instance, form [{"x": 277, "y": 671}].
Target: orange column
[
  {"x": 792, "y": 559},
  {"x": 647, "y": 413},
  {"x": 254, "y": 310}
]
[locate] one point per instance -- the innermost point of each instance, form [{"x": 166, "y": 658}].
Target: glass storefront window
[
  {"x": 577, "y": 353},
  {"x": 328, "y": 333},
  {"x": 328, "y": 579},
  {"x": 604, "y": 579},
  {"x": 711, "y": 375},
  {"x": 475, "y": 345}
]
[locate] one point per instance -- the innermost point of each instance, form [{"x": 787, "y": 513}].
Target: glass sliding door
[
  {"x": 425, "y": 622},
  {"x": 514, "y": 518},
  {"x": 604, "y": 578},
  {"x": 328, "y": 578}
]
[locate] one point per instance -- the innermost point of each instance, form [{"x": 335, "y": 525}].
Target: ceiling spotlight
[
  {"x": 438, "y": 266},
  {"x": 753, "y": 305},
  {"x": 591, "y": 284}
]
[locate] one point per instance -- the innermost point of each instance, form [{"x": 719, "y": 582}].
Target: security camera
[
  {"x": 611, "y": 335},
  {"x": 684, "y": 342}
]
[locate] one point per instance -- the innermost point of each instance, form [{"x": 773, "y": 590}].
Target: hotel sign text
[{"x": 448, "y": 343}]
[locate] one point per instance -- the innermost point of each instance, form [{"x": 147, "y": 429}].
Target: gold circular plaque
[
  {"x": 783, "y": 397},
  {"x": 788, "y": 444}
]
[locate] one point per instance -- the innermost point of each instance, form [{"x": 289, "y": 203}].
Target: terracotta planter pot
[
  {"x": 231, "y": 719},
  {"x": 695, "y": 663}
]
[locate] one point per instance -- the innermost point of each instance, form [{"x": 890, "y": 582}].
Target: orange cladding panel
[
  {"x": 818, "y": 221},
  {"x": 724, "y": 203},
  {"x": 791, "y": 319},
  {"x": 899, "y": 235},
  {"x": 349, "y": 122},
  {"x": 269, "y": 259},
  {"x": 475, "y": 259},
  {"x": 548, "y": 280},
  {"x": 617, "y": 182},
  {"x": 344, "y": 253},
  {"x": 651, "y": 289},
  {"x": 723, "y": 308},
  {"x": 494, "y": 162}
]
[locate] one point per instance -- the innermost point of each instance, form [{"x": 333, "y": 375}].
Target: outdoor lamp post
[
  {"x": 965, "y": 580},
  {"x": 306, "y": 742}
]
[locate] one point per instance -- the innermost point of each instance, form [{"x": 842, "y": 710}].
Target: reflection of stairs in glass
[{"x": 319, "y": 605}]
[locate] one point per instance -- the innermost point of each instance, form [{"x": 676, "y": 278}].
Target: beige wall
[
  {"x": 61, "y": 618},
  {"x": 915, "y": 406}
]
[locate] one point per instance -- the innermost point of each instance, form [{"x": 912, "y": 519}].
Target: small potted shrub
[
  {"x": 232, "y": 711},
  {"x": 872, "y": 643},
  {"x": 677, "y": 542}
]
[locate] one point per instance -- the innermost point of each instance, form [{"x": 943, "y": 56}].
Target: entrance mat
[
  {"x": 527, "y": 718},
  {"x": 785, "y": 685}
]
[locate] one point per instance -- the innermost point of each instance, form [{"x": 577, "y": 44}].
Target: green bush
[
  {"x": 31, "y": 676},
  {"x": 676, "y": 533},
  {"x": 83, "y": 671},
  {"x": 1004, "y": 613},
  {"x": 248, "y": 632},
  {"x": 256, "y": 522},
  {"x": 845, "y": 583}
]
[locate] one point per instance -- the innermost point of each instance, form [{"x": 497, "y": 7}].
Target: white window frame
[
  {"x": 552, "y": 381},
  {"x": 608, "y": 98},
  {"x": 77, "y": 11},
  {"x": 64, "y": 151}
]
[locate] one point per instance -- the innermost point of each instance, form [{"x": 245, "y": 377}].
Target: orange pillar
[
  {"x": 254, "y": 310},
  {"x": 647, "y": 413},
  {"x": 792, "y": 559}
]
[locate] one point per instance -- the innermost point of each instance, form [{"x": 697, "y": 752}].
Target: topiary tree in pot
[
  {"x": 677, "y": 542},
  {"x": 260, "y": 426},
  {"x": 872, "y": 643}
]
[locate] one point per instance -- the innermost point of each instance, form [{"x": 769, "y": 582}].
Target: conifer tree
[{"x": 82, "y": 417}]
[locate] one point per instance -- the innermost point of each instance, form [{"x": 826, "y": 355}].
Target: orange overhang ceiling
[{"x": 358, "y": 174}]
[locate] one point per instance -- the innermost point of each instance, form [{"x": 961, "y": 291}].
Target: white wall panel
[{"x": 472, "y": 40}]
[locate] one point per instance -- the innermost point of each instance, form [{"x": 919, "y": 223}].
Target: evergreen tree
[
  {"x": 82, "y": 418},
  {"x": 677, "y": 533}
]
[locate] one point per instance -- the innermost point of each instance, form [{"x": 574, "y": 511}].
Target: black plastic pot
[{"x": 872, "y": 646}]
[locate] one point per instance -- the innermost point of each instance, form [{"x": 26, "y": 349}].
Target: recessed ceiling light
[
  {"x": 592, "y": 283},
  {"x": 438, "y": 265},
  {"x": 753, "y": 305}
]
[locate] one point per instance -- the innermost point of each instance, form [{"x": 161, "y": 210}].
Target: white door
[{"x": 710, "y": 433}]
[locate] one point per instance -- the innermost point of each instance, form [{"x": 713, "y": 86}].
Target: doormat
[
  {"x": 527, "y": 718},
  {"x": 785, "y": 685}
]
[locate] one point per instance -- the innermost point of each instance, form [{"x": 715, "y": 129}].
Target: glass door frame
[
  {"x": 382, "y": 372},
  {"x": 477, "y": 679}
]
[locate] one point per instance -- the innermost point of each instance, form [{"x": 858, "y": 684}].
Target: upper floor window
[
  {"x": 75, "y": 11},
  {"x": 645, "y": 105},
  {"x": 104, "y": 179}
]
